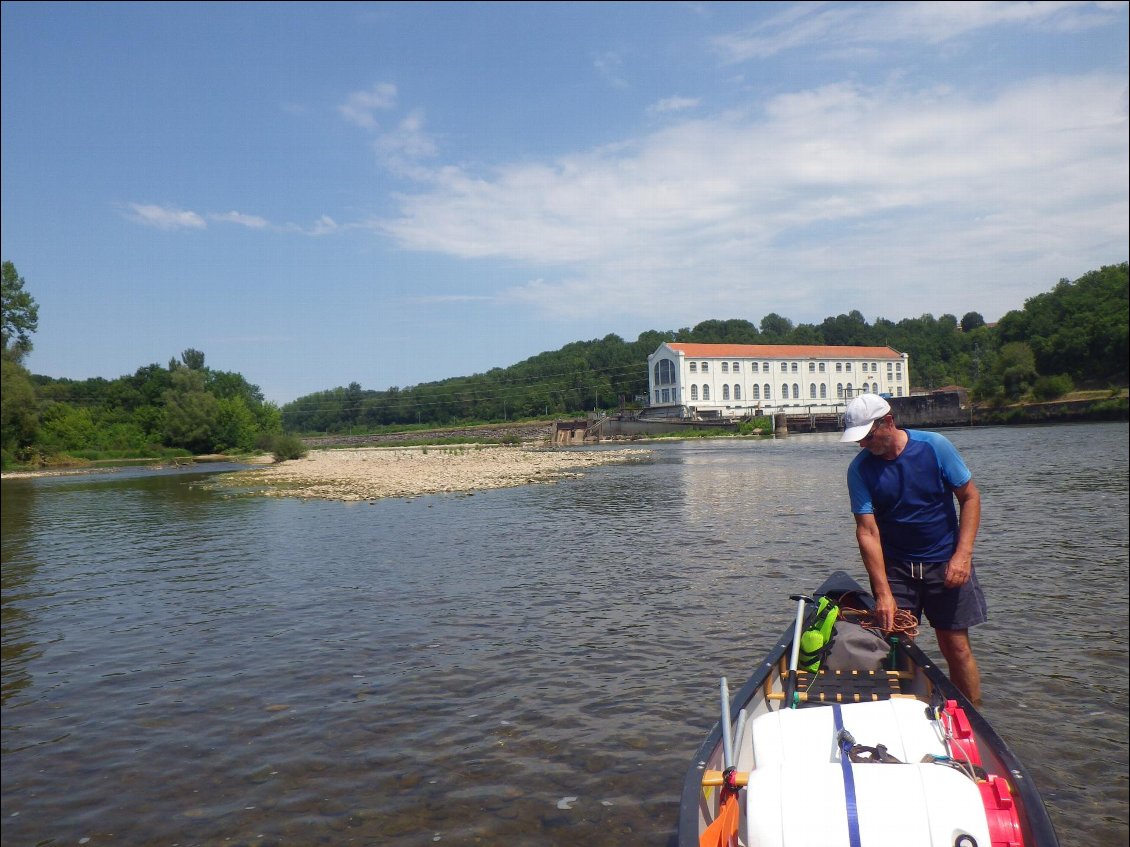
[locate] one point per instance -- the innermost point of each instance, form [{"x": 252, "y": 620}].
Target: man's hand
[
  {"x": 958, "y": 569},
  {"x": 885, "y": 608}
]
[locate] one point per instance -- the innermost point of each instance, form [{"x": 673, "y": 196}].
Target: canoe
[{"x": 865, "y": 743}]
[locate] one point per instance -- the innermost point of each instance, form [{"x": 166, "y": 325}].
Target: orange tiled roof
[{"x": 783, "y": 351}]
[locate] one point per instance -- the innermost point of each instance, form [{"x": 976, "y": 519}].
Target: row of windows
[
  {"x": 765, "y": 392},
  {"x": 790, "y": 367}
]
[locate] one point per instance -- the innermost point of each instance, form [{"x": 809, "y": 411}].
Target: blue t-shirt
[{"x": 911, "y": 497}]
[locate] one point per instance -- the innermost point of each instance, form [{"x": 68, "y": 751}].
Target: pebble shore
[{"x": 376, "y": 473}]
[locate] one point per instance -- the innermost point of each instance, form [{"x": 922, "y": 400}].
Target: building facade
[{"x": 738, "y": 380}]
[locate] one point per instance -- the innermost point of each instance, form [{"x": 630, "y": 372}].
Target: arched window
[
  {"x": 664, "y": 372},
  {"x": 812, "y": 391},
  {"x": 737, "y": 392},
  {"x": 796, "y": 391},
  {"x": 850, "y": 390},
  {"x": 756, "y": 391},
  {"x": 768, "y": 392},
  {"x": 823, "y": 391},
  {"x": 725, "y": 390},
  {"x": 694, "y": 392},
  {"x": 840, "y": 390},
  {"x": 706, "y": 392}
]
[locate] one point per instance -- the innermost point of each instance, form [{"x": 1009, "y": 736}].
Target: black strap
[{"x": 863, "y": 755}]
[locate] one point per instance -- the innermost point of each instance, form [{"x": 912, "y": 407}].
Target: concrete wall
[{"x": 929, "y": 410}]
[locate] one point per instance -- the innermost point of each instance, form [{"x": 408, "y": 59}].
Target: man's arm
[
  {"x": 871, "y": 550},
  {"x": 968, "y": 521}
]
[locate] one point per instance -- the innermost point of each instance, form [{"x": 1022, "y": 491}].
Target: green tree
[
  {"x": 775, "y": 329},
  {"x": 18, "y": 416},
  {"x": 19, "y": 314},
  {"x": 234, "y": 427},
  {"x": 1016, "y": 369},
  {"x": 65, "y": 428},
  {"x": 971, "y": 321},
  {"x": 193, "y": 359},
  {"x": 191, "y": 414}
]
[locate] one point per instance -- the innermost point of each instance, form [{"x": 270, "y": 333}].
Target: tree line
[
  {"x": 1074, "y": 335},
  {"x": 182, "y": 407}
]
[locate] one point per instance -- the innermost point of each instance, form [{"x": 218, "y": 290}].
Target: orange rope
[
  {"x": 723, "y": 830},
  {"x": 904, "y": 622}
]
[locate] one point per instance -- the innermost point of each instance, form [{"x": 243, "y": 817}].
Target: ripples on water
[{"x": 531, "y": 666}]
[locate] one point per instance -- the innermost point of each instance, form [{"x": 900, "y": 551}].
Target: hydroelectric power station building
[{"x": 743, "y": 380}]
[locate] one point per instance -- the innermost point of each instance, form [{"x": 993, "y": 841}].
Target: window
[
  {"x": 694, "y": 367},
  {"x": 705, "y": 367},
  {"x": 874, "y": 388},
  {"x": 839, "y": 367},
  {"x": 666, "y": 395},
  {"x": 795, "y": 366},
  {"x": 823, "y": 391},
  {"x": 768, "y": 393},
  {"x": 753, "y": 366},
  {"x": 657, "y": 397},
  {"x": 737, "y": 367},
  {"x": 812, "y": 391},
  {"x": 850, "y": 390},
  {"x": 812, "y": 367},
  {"x": 737, "y": 392},
  {"x": 840, "y": 390},
  {"x": 821, "y": 367},
  {"x": 847, "y": 367},
  {"x": 756, "y": 391},
  {"x": 694, "y": 392},
  {"x": 796, "y": 391},
  {"x": 725, "y": 389},
  {"x": 706, "y": 392},
  {"x": 664, "y": 372},
  {"x": 725, "y": 367},
  {"x": 784, "y": 367}
]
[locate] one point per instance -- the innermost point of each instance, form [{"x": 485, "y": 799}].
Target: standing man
[{"x": 917, "y": 549}]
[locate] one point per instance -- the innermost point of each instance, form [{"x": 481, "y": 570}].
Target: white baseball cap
[{"x": 861, "y": 413}]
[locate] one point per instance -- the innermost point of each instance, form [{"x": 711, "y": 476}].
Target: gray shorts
[{"x": 921, "y": 587}]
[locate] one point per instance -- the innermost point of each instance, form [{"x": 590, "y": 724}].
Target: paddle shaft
[{"x": 790, "y": 681}]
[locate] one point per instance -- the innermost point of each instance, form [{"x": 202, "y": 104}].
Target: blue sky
[{"x": 388, "y": 193}]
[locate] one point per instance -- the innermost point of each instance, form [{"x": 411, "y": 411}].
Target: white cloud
[
  {"x": 233, "y": 217},
  {"x": 880, "y": 190},
  {"x": 165, "y": 217},
  {"x": 674, "y": 104},
  {"x": 830, "y": 27},
  {"x": 400, "y": 148},
  {"x": 361, "y": 107},
  {"x": 449, "y": 298},
  {"x": 609, "y": 67}
]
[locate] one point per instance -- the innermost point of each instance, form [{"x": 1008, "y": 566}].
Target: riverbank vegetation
[{"x": 1071, "y": 338}]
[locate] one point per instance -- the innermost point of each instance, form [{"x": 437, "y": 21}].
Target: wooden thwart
[{"x": 844, "y": 687}]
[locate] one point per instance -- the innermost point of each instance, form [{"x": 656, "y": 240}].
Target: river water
[{"x": 532, "y": 666}]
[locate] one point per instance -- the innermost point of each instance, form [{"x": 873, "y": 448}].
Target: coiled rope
[{"x": 905, "y": 623}]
